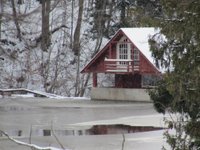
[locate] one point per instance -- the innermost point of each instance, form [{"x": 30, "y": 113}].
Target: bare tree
[
  {"x": 76, "y": 45},
  {"x": 46, "y": 4},
  {"x": 76, "y": 41},
  {"x": 15, "y": 18},
  {"x": 1, "y": 14},
  {"x": 32, "y": 146}
]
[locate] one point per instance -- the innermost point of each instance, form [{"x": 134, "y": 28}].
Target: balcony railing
[{"x": 121, "y": 65}]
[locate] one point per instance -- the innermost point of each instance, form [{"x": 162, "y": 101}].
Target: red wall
[{"x": 146, "y": 66}]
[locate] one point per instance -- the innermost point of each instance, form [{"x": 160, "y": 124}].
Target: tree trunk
[
  {"x": 16, "y": 20},
  {"x": 108, "y": 24},
  {"x": 20, "y": 2},
  {"x": 64, "y": 21},
  {"x": 84, "y": 85},
  {"x": 1, "y": 14},
  {"x": 72, "y": 25},
  {"x": 45, "y": 25},
  {"x": 123, "y": 14},
  {"x": 76, "y": 46}
]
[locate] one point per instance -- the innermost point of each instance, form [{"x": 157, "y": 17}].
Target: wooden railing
[{"x": 121, "y": 65}]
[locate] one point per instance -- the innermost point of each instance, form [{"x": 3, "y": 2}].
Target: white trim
[
  {"x": 116, "y": 70},
  {"x": 115, "y": 60}
]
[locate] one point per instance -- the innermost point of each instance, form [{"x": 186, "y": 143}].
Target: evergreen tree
[
  {"x": 122, "y": 6},
  {"x": 179, "y": 53},
  {"x": 142, "y": 11}
]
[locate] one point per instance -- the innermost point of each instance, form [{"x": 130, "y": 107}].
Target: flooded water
[
  {"x": 94, "y": 130},
  {"x": 75, "y": 120}
]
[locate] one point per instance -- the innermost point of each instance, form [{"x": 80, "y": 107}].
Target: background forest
[{"x": 44, "y": 44}]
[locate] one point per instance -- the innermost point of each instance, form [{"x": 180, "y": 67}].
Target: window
[
  {"x": 136, "y": 56},
  {"x": 123, "y": 51}
]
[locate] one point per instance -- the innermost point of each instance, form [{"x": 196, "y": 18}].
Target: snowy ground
[{"x": 34, "y": 114}]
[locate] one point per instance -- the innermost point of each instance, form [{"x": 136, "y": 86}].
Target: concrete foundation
[{"x": 120, "y": 94}]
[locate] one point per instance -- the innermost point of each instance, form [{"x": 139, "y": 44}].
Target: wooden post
[
  {"x": 110, "y": 49},
  {"x": 132, "y": 65},
  {"x": 94, "y": 79},
  {"x": 128, "y": 66}
]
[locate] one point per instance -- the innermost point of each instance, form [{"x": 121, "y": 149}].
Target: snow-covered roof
[{"x": 140, "y": 37}]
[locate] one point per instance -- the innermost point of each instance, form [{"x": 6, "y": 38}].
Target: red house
[{"x": 127, "y": 56}]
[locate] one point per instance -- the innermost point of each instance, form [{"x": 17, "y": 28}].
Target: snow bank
[{"x": 32, "y": 93}]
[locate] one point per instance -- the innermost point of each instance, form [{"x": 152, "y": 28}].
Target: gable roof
[{"x": 138, "y": 36}]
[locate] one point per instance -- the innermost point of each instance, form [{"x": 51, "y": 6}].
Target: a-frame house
[{"x": 127, "y": 56}]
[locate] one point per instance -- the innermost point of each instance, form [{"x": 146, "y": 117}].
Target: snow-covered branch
[
  {"x": 171, "y": 19},
  {"x": 191, "y": 13},
  {"x": 32, "y": 146}
]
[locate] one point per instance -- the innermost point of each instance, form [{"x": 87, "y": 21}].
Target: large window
[{"x": 123, "y": 52}]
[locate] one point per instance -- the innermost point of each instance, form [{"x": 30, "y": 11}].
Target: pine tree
[
  {"x": 179, "y": 53},
  {"x": 122, "y": 5}
]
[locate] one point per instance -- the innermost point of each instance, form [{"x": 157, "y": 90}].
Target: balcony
[{"x": 121, "y": 65}]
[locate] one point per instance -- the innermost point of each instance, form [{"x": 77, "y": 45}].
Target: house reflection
[{"x": 94, "y": 130}]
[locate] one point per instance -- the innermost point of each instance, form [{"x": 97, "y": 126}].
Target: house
[{"x": 128, "y": 58}]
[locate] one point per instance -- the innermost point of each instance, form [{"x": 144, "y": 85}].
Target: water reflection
[
  {"x": 94, "y": 130},
  {"x": 13, "y": 133},
  {"x": 14, "y": 108}
]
